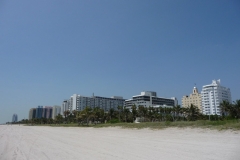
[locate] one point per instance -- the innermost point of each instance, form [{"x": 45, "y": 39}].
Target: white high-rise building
[
  {"x": 74, "y": 99},
  {"x": 212, "y": 95}
]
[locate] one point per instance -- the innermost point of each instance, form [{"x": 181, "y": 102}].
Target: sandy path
[{"x": 58, "y": 143}]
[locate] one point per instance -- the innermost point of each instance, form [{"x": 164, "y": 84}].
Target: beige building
[{"x": 194, "y": 98}]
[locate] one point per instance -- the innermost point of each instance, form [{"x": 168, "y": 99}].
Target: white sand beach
[{"x": 62, "y": 143}]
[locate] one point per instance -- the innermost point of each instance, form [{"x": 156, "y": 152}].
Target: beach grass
[{"x": 218, "y": 125}]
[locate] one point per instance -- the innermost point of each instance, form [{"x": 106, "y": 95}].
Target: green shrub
[
  {"x": 167, "y": 123},
  {"x": 169, "y": 118},
  {"x": 114, "y": 121}
]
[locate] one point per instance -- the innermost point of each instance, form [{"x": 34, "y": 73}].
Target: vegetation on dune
[
  {"x": 149, "y": 117},
  {"x": 219, "y": 125}
]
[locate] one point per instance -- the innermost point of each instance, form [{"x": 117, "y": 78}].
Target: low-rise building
[
  {"x": 150, "y": 99},
  {"x": 79, "y": 102}
]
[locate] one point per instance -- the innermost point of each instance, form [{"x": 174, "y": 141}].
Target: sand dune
[{"x": 58, "y": 143}]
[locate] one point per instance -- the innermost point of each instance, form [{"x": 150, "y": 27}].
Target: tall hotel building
[
  {"x": 212, "y": 95},
  {"x": 149, "y": 98},
  {"x": 78, "y": 102},
  {"x": 194, "y": 98}
]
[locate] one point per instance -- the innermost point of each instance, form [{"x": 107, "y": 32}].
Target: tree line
[{"x": 144, "y": 114}]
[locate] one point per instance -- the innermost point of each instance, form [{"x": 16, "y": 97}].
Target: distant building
[
  {"x": 55, "y": 111},
  {"x": 32, "y": 113},
  {"x": 194, "y": 98},
  {"x": 15, "y": 118},
  {"x": 39, "y": 111},
  {"x": 79, "y": 102},
  {"x": 150, "y": 99},
  {"x": 175, "y": 101},
  {"x": 47, "y": 112},
  {"x": 212, "y": 95},
  {"x": 65, "y": 106}
]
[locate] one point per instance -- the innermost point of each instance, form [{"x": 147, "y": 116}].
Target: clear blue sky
[{"x": 50, "y": 50}]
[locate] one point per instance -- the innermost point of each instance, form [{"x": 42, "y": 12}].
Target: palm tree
[
  {"x": 74, "y": 112},
  {"x": 79, "y": 117},
  {"x": 134, "y": 112},
  {"x": 236, "y": 106},
  {"x": 126, "y": 112},
  {"x": 184, "y": 112},
  {"x": 86, "y": 114},
  {"x": 150, "y": 113},
  {"x": 168, "y": 114},
  {"x": 176, "y": 111},
  {"x": 119, "y": 110},
  {"x": 156, "y": 114},
  {"x": 66, "y": 113},
  {"x": 225, "y": 108},
  {"x": 97, "y": 113},
  {"x": 142, "y": 111},
  {"x": 193, "y": 113},
  {"x": 37, "y": 121},
  {"x": 50, "y": 121},
  {"x": 111, "y": 113},
  {"x": 59, "y": 119},
  {"x": 161, "y": 112}
]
